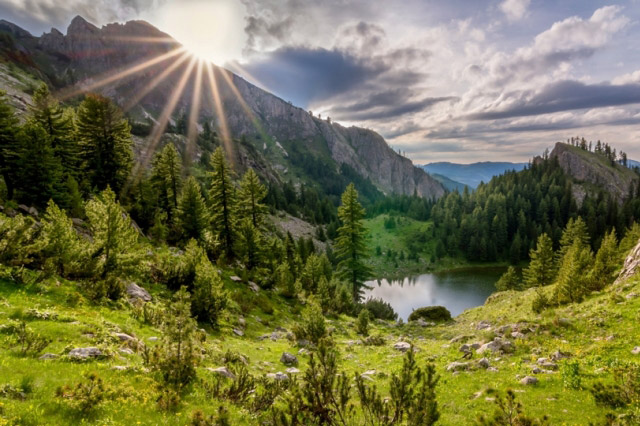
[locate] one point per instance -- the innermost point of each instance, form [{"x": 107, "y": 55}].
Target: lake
[{"x": 457, "y": 290}]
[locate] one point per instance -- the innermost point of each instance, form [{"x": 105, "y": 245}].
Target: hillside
[
  {"x": 88, "y": 58},
  {"x": 593, "y": 172},
  {"x": 449, "y": 184},
  {"x": 474, "y": 173}
]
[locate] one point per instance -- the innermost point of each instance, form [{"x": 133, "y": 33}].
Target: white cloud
[{"x": 514, "y": 10}]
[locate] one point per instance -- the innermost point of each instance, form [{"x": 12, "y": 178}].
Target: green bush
[
  {"x": 362, "y": 324},
  {"x": 431, "y": 313},
  {"x": 380, "y": 309},
  {"x": 312, "y": 327}
]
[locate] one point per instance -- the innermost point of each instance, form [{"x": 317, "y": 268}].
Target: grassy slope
[{"x": 136, "y": 391}]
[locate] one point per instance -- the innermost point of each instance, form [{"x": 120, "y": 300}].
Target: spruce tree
[
  {"x": 39, "y": 171},
  {"x": 61, "y": 246},
  {"x": 541, "y": 269},
  {"x": 166, "y": 176},
  {"x": 573, "y": 276},
  {"x": 209, "y": 297},
  {"x": 606, "y": 263},
  {"x": 59, "y": 125},
  {"x": 509, "y": 280},
  {"x": 250, "y": 196},
  {"x": 250, "y": 244},
  {"x": 575, "y": 232},
  {"x": 115, "y": 240},
  {"x": 192, "y": 211},
  {"x": 104, "y": 138},
  {"x": 9, "y": 145},
  {"x": 350, "y": 243},
  {"x": 222, "y": 203}
]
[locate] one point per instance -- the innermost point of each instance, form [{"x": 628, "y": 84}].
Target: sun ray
[
  {"x": 140, "y": 39},
  {"x": 196, "y": 98},
  {"x": 162, "y": 121},
  {"x": 153, "y": 83},
  {"x": 235, "y": 67},
  {"x": 243, "y": 104},
  {"x": 110, "y": 78},
  {"x": 217, "y": 101}
]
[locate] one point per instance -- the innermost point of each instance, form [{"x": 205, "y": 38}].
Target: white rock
[{"x": 402, "y": 346}]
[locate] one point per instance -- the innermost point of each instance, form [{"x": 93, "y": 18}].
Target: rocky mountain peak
[
  {"x": 80, "y": 26},
  {"x": 14, "y": 30}
]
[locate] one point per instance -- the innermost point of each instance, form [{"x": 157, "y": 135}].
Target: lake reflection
[{"x": 456, "y": 290}]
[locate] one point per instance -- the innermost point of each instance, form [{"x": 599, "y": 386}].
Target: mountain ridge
[{"x": 271, "y": 124}]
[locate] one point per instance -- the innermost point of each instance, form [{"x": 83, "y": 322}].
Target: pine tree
[
  {"x": 573, "y": 277},
  {"x": 209, "y": 297},
  {"x": 192, "y": 211},
  {"x": 166, "y": 176},
  {"x": 249, "y": 244},
  {"x": 9, "y": 145},
  {"x": 222, "y": 200},
  {"x": 60, "y": 127},
  {"x": 62, "y": 248},
  {"x": 250, "y": 197},
  {"x": 177, "y": 358},
  {"x": 40, "y": 172},
  {"x": 104, "y": 138},
  {"x": 350, "y": 243},
  {"x": 606, "y": 261},
  {"x": 509, "y": 280},
  {"x": 114, "y": 238},
  {"x": 575, "y": 232},
  {"x": 541, "y": 269}
]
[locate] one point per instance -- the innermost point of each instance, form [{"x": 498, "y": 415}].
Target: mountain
[
  {"x": 474, "y": 173},
  {"x": 286, "y": 141},
  {"x": 593, "y": 172},
  {"x": 449, "y": 184}
]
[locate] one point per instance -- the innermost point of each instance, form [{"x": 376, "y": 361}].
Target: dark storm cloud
[
  {"x": 564, "y": 96},
  {"x": 303, "y": 74}
]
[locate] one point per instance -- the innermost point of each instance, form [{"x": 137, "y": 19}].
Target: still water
[{"x": 456, "y": 290}]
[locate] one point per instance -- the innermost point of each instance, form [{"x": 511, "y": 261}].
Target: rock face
[
  {"x": 631, "y": 264},
  {"x": 276, "y": 129},
  {"x": 593, "y": 169},
  {"x": 135, "y": 292}
]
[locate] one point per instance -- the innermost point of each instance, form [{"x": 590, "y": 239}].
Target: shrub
[
  {"x": 362, "y": 324},
  {"x": 198, "y": 418},
  {"x": 509, "y": 412},
  {"x": 209, "y": 297},
  {"x": 540, "y": 302},
  {"x": 380, "y": 309},
  {"x": 312, "y": 327},
  {"x": 625, "y": 389},
  {"x": 571, "y": 375},
  {"x": 85, "y": 397},
  {"x": 376, "y": 340},
  {"x": 27, "y": 341},
  {"x": 431, "y": 313}
]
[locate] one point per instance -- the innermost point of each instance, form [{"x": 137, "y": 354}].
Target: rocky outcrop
[
  {"x": 593, "y": 169},
  {"x": 86, "y": 54},
  {"x": 631, "y": 264}
]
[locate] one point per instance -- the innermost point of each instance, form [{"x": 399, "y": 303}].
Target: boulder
[
  {"x": 235, "y": 278},
  {"x": 483, "y": 363},
  {"x": 85, "y": 353},
  {"x": 135, "y": 292},
  {"x": 558, "y": 355},
  {"x": 125, "y": 351},
  {"x": 483, "y": 325},
  {"x": 223, "y": 371},
  {"x": 278, "y": 376},
  {"x": 292, "y": 370},
  {"x": 124, "y": 337},
  {"x": 238, "y": 332},
  {"x": 496, "y": 345},
  {"x": 458, "y": 366},
  {"x": 529, "y": 380},
  {"x": 288, "y": 359},
  {"x": 402, "y": 346},
  {"x": 48, "y": 356}
]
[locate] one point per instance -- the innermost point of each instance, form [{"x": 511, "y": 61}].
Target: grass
[{"x": 133, "y": 392}]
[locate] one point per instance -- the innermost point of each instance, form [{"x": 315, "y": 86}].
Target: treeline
[
  {"x": 502, "y": 219},
  {"x": 574, "y": 270},
  {"x": 600, "y": 148}
]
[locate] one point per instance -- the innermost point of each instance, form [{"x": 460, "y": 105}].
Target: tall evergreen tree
[
  {"x": 350, "y": 243},
  {"x": 250, "y": 197},
  {"x": 222, "y": 200},
  {"x": 606, "y": 261},
  {"x": 39, "y": 171},
  {"x": 192, "y": 211},
  {"x": 9, "y": 145},
  {"x": 61, "y": 245},
  {"x": 250, "y": 244},
  {"x": 104, "y": 137},
  {"x": 575, "y": 232},
  {"x": 114, "y": 238},
  {"x": 59, "y": 125},
  {"x": 541, "y": 269},
  {"x": 166, "y": 176}
]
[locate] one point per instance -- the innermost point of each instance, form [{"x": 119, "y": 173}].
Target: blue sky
[{"x": 442, "y": 80}]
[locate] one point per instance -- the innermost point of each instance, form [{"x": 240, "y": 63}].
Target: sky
[{"x": 455, "y": 80}]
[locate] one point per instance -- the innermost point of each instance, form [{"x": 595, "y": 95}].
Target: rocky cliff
[
  {"x": 589, "y": 169},
  {"x": 87, "y": 54}
]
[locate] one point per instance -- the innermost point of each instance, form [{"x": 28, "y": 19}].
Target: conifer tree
[
  {"x": 222, "y": 200},
  {"x": 166, "y": 177},
  {"x": 114, "y": 238},
  {"x": 59, "y": 125},
  {"x": 250, "y": 197},
  {"x": 9, "y": 145},
  {"x": 606, "y": 262},
  {"x": 62, "y": 248},
  {"x": 573, "y": 276},
  {"x": 541, "y": 269},
  {"x": 350, "y": 243},
  {"x": 250, "y": 244},
  {"x": 192, "y": 211},
  {"x": 40, "y": 172},
  {"x": 209, "y": 297},
  {"x": 105, "y": 143},
  {"x": 177, "y": 358},
  {"x": 509, "y": 280},
  {"x": 575, "y": 232}
]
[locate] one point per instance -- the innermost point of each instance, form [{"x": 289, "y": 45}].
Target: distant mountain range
[{"x": 469, "y": 174}]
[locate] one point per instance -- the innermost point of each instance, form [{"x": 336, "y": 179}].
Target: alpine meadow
[{"x": 343, "y": 213}]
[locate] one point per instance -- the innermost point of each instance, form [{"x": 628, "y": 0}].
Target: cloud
[
  {"x": 563, "y": 96},
  {"x": 514, "y": 9}
]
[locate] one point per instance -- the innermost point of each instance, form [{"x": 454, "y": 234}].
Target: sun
[{"x": 212, "y": 30}]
